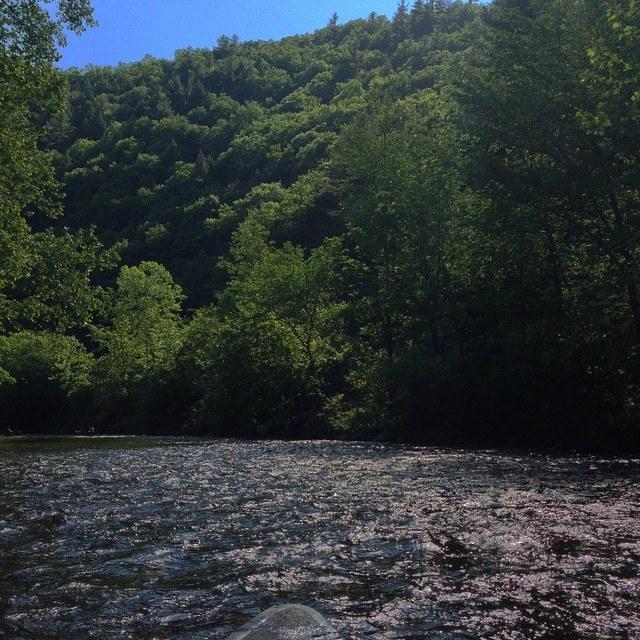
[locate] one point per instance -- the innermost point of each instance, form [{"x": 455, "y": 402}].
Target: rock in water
[{"x": 288, "y": 622}]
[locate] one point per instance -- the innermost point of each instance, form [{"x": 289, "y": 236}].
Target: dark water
[{"x": 166, "y": 539}]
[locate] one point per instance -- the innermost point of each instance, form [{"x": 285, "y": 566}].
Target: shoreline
[{"x": 493, "y": 447}]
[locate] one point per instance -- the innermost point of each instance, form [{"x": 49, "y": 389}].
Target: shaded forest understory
[{"x": 425, "y": 227}]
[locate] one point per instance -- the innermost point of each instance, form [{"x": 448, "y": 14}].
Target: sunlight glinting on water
[{"x": 162, "y": 539}]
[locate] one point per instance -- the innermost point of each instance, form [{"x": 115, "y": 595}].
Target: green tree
[
  {"x": 293, "y": 291},
  {"x": 612, "y": 118},
  {"x": 145, "y": 334},
  {"x": 430, "y": 221},
  {"x": 29, "y": 38},
  {"x": 561, "y": 246},
  {"x": 266, "y": 355},
  {"x": 401, "y": 185},
  {"x": 401, "y": 21},
  {"x": 48, "y": 376},
  {"x": 59, "y": 293}
]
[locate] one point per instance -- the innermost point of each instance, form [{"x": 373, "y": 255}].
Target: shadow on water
[{"x": 57, "y": 444}]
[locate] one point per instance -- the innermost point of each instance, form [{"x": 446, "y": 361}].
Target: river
[{"x": 158, "y": 538}]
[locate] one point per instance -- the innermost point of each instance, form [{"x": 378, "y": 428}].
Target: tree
[
  {"x": 422, "y": 22},
  {"x": 401, "y": 188},
  {"x": 29, "y": 37},
  {"x": 427, "y": 223},
  {"x": 562, "y": 251},
  {"x": 401, "y": 21},
  {"x": 293, "y": 291},
  {"x": 58, "y": 292},
  {"x": 145, "y": 334},
  {"x": 612, "y": 119},
  {"x": 264, "y": 355},
  {"x": 47, "y": 375}
]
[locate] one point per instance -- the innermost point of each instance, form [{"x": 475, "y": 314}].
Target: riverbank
[{"x": 610, "y": 443}]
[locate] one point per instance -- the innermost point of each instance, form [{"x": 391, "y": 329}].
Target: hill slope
[{"x": 423, "y": 227}]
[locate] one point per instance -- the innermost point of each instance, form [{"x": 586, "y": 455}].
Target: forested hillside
[{"x": 424, "y": 227}]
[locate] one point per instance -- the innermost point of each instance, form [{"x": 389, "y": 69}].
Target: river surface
[{"x": 151, "y": 538}]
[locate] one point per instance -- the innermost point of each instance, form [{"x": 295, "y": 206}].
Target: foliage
[
  {"x": 47, "y": 374},
  {"x": 29, "y": 37},
  {"x": 58, "y": 292},
  {"x": 144, "y": 335},
  {"x": 134, "y": 374},
  {"x": 424, "y": 227},
  {"x": 277, "y": 323}
]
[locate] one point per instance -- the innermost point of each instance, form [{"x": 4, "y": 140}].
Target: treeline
[{"x": 425, "y": 228}]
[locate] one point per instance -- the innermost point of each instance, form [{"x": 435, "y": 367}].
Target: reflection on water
[{"x": 155, "y": 538}]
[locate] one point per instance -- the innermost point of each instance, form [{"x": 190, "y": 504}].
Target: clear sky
[{"x": 131, "y": 28}]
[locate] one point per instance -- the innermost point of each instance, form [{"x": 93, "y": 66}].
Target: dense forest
[{"x": 423, "y": 228}]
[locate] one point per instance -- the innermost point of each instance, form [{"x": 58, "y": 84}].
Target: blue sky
[{"x": 131, "y": 28}]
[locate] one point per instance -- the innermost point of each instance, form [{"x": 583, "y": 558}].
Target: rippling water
[{"x": 136, "y": 538}]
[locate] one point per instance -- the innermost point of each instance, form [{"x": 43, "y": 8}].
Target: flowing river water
[{"x": 156, "y": 538}]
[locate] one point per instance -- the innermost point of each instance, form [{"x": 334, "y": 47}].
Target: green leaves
[
  {"x": 263, "y": 357},
  {"x": 42, "y": 358},
  {"x": 426, "y": 225},
  {"x": 57, "y": 292},
  {"x": 612, "y": 79},
  {"x": 42, "y": 377},
  {"x": 145, "y": 333},
  {"x": 28, "y": 83}
]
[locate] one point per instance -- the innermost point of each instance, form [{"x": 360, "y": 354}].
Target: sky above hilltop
[{"x": 129, "y": 29}]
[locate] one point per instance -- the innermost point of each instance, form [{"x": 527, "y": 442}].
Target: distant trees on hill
[{"x": 422, "y": 226}]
